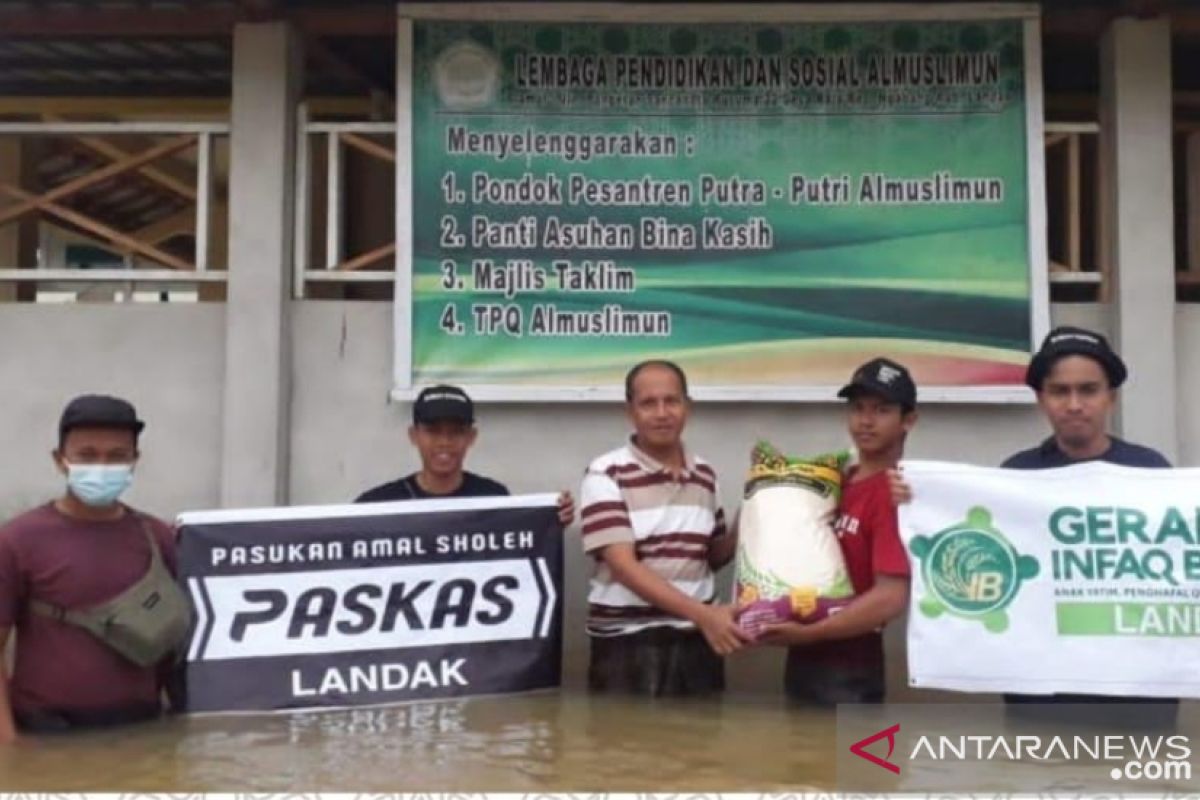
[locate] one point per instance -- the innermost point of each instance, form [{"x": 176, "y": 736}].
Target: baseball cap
[
  {"x": 883, "y": 377},
  {"x": 99, "y": 411},
  {"x": 443, "y": 402},
  {"x": 1068, "y": 341}
]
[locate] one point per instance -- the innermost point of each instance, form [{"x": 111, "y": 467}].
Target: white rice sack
[{"x": 789, "y": 564}]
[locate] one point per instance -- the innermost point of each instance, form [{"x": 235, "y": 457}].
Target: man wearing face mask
[{"x": 66, "y": 558}]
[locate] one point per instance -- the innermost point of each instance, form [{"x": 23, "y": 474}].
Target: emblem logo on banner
[{"x": 971, "y": 570}]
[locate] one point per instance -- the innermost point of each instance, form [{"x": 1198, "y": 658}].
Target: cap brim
[
  {"x": 457, "y": 414},
  {"x": 70, "y": 425},
  {"x": 445, "y": 418},
  {"x": 852, "y": 390},
  {"x": 1039, "y": 366}
]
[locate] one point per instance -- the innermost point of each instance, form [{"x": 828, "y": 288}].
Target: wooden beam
[
  {"x": 128, "y": 108},
  {"x": 1090, "y": 22},
  {"x": 369, "y": 147},
  {"x": 100, "y": 229},
  {"x": 173, "y": 225},
  {"x": 119, "y": 22},
  {"x": 180, "y": 59},
  {"x": 367, "y": 258},
  {"x": 112, "y": 152},
  {"x": 374, "y": 20},
  {"x": 1105, "y": 204},
  {"x": 1192, "y": 206},
  {"x": 1054, "y": 138},
  {"x": 351, "y": 20},
  {"x": 168, "y": 147},
  {"x": 1074, "y": 206}
]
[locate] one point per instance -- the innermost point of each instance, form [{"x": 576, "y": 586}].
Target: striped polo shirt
[{"x": 627, "y": 496}]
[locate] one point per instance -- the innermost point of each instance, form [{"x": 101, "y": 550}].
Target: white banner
[{"x": 1079, "y": 579}]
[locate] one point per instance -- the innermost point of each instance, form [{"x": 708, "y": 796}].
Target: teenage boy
[
  {"x": 840, "y": 658},
  {"x": 442, "y": 431},
  {"x": 1075, "y": 375}
]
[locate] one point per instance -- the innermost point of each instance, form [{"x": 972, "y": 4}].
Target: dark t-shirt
[
  {"x": 1048, "y": 455},
  {"x": 49, "y": 556},
  {"x": 407, "y": 488}
]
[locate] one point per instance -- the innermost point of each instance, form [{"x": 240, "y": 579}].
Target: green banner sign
[{"x": 769, "y": 205}]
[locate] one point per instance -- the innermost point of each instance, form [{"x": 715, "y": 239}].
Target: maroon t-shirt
[
  {"x": 868, "y": 531},
  {"x": 869, "y": 534},
  {"x": 49, "y": 556}
]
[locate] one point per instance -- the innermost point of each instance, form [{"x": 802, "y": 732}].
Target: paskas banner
[
  {"x": 1079, "y": 579},
  {"x": 374, "y": 603}
]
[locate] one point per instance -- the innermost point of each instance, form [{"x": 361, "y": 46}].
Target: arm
[
  {"x": 722, "y": 550},
  {"x": 566, "y": 508},
  {"x": 883, "y": 602},
  {"x": 8, "y": 729},
  {"x": 723, "y": 546},
  {"x": 899, "y": 488},
  {"x": 715, "y": 622},
  {"x": 11, "y": 595}
]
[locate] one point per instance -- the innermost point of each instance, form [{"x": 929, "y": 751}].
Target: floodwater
[
  {"x": 567, "y": 740},
  {"x": 556, "y": 741}
]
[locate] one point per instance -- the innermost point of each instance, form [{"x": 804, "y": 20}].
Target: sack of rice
[{"x": 789, "y": 564}]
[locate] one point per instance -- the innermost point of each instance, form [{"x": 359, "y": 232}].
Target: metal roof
[{"x": 164, "y": 48}]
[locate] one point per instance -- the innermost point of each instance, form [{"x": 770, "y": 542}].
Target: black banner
[{"x": 374, "y": 603}]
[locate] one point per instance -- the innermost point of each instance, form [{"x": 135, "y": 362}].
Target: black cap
[
  {"x": 99, "y": 411},
  {"x": 886, "y": 378},
  {"x": 443, "y": 402},
  {"x": 1068, "y": 341}
]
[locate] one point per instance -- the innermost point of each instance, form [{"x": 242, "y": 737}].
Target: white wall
[
  {"x": 167, "y": 360},
  {"x": 346, "y": 436},
  {"x": 1187, "y": 381}
]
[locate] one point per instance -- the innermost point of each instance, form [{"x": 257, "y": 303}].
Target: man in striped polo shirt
[{"x": 653, "y": 525}]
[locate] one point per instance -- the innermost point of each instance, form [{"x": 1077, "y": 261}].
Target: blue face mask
[{"x": 99, "y": 485}]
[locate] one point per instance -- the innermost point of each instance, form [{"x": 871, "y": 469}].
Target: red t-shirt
[
  {"x": 74, "y": 564},
  {"x": 868, "y": 531}
]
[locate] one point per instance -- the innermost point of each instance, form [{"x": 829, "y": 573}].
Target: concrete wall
[
  {"x": 1187, "y": 382},
  {"x": 168, "y": 360},
  {"x": 346, "y": 436}
]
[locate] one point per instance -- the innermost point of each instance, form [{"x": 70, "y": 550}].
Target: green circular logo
[{"x": 971, "y": 571}]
